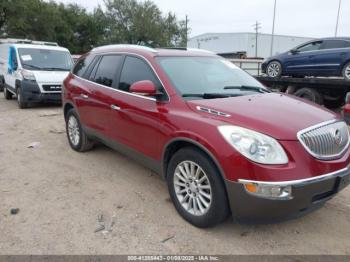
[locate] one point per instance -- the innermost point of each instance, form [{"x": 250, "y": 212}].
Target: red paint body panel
[{"x": 148, "y": 126}]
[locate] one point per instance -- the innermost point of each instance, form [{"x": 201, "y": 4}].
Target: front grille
[
  {"x": 53, "y": 88},
  {"x": 326, "y": 141}
]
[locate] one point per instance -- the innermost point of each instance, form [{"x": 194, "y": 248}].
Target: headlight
[
  {"x": 27, "y": 75},
  {"x": 255, "y": 146}
]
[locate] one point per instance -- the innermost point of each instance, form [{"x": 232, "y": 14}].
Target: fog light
[{"x": 269, "y": 191}]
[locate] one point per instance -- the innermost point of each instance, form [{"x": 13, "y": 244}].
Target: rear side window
[
  {"x": 82, "y": 65},
  {"x": 332, "y": 44},
  {"x": 105, "y": 72},
  {"x": 134, "y": 70}
]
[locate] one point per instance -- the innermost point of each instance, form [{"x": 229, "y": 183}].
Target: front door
[
  {"x": 12, "y": 70},
  {"x": 300, "y": 60},
  {"x": 135, "y": 119}
]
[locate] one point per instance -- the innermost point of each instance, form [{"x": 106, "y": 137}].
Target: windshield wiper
[
  {"x": 249, "y": 88},
  {"x": 55, "y": 68},
  {"x": 210, "y": 95},
  {"x": 33, "y": 66}
]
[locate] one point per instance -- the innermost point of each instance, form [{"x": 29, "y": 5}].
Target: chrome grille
[{"x": 327, "y": 140}]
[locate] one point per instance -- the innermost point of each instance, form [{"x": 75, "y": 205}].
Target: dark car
[
  {"x": 322, "y": 57},
  {"x": 219, "y": 138}
]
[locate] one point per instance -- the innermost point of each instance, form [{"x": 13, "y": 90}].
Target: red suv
[{"x": 223, "y": 142}]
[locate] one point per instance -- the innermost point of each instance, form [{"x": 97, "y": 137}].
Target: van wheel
[
  {"x": 346, "y": 71},
  {"x": 196, "y": 188},
  {"x": 8, "y": 95},
  {"x": 77, "y": 138},
  {"x": 21, "y": 103},
  {"x": 310, "y": 94}
]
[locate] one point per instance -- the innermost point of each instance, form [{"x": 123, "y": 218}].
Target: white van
[{"x": 33, "y": 71}]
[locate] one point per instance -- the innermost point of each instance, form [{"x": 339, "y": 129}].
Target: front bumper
[
  {"x": 31, "y": 93},
  {"x": 307, "y": 195}
]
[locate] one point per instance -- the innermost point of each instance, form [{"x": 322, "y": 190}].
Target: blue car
[{"x": 322, "y": 57}]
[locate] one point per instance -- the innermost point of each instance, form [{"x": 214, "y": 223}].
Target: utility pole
[
  {"x": 273, "y": 28},
  {"x": 186, "y": 28},
  {"x": 336, "y": 26},
  {"x": 256, "y": 28}
]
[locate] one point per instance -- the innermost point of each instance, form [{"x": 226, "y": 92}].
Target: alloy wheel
[
  {"x": 73, "y": 130},
  {"x": 273, "y": 69},
  {"x": 192, "y": 188},
  {"x": 347, "y": 72}
]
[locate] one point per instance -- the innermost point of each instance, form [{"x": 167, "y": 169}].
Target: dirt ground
[{"x": 64, "y": 197}]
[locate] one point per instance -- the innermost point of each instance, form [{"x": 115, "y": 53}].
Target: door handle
[
  {"x": 116, "y": 108},
  {"x": 84, "y": 96}
]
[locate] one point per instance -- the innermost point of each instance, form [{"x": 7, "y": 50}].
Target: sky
[{"x": 309, "y": 18}]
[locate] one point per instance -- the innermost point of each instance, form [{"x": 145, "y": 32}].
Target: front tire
[
  {"x": 196, "y": 188},
  {"x": 274, "y": 69},
  {"x": 77, "y": 138},
  {"x": 346, "y": 71},
  {"x": 20, "y": 100}
]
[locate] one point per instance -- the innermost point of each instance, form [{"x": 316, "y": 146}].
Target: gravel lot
[{"x": 62, "y": 195}]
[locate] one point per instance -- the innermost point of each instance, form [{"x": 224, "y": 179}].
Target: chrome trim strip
[
  {"x": 331, "y": 157},
  {"x": 132, "y": 94},
  {"x": 299, "y": 181},
  {"x": 314, "y": 65}
]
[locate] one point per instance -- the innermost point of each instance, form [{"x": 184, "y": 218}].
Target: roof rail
[
  {"x": 125, "y": 46},
  {"x": 25, "y": 41},
  {"x": 201, "y": 50}
]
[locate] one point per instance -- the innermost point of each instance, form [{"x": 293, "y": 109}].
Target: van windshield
[
  {"x": 45, "y": 59},
  {"x": 208, "y": 77}
]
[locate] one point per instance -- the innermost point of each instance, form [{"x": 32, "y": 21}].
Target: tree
[{"x": 124, "y": 21}]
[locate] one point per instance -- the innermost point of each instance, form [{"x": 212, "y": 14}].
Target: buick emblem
[{"x": 337, "y": 137}]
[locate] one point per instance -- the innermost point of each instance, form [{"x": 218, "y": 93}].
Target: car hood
[
  {"x": 277, "y": 115},
  {"x": 50, "y": 76}
]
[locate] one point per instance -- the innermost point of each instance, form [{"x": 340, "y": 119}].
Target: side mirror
[
  {"x": 145, "y": 87},
  {"x": 294, "y": 51}
]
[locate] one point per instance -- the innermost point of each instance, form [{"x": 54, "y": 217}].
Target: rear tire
[
  {"x": 7, "y": 94},
  {"x": 21, "y": 103},
  {"x": 346, "y": 71},
  {"x": 310, "y": 95},
  {"x": 199, "y": 197},
  {"x": 274, "y": 69},
  {"x": 77, "y": 138}
]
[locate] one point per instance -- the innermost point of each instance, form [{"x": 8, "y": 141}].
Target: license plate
[{"x": 344, "y": 182}]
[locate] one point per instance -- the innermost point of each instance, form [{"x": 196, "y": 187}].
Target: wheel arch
[
  {"x": 180, "y": 142},
  {"x": 67, "y": 106}
]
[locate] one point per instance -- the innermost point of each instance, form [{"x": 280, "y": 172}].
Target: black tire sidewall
[
  {"x": 219, "y": 206},
  {"x": 77, "y": 147},
  {"x": 21, "y": 103},
  {"x": 316, "y": 97}
]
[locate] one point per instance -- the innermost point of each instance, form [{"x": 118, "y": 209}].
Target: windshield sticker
[{"x": 26, "y": 57}]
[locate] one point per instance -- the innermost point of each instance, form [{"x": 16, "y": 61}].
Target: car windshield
[
  {"x": 45, "y": 59},
  {"x": 208, "y": 77}
]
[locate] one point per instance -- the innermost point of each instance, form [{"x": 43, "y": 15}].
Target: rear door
[
  {"x": 135, "y": 119},
  {"x": 300, "y": 61},
  {"x": 331, "y": 56},
  {"x": 105, "y": 76}
]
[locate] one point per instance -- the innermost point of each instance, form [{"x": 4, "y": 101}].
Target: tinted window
[
  {"x": 81, "y": 67},
  {"x": 332, "y": 44},
  {"x": 107, "y": 69},
  {"x": 310, "y": 47},
  {"x": 134, "y": 70}
]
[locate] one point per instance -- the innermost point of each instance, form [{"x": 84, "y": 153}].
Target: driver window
[{"x": 310, "y": 47}]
